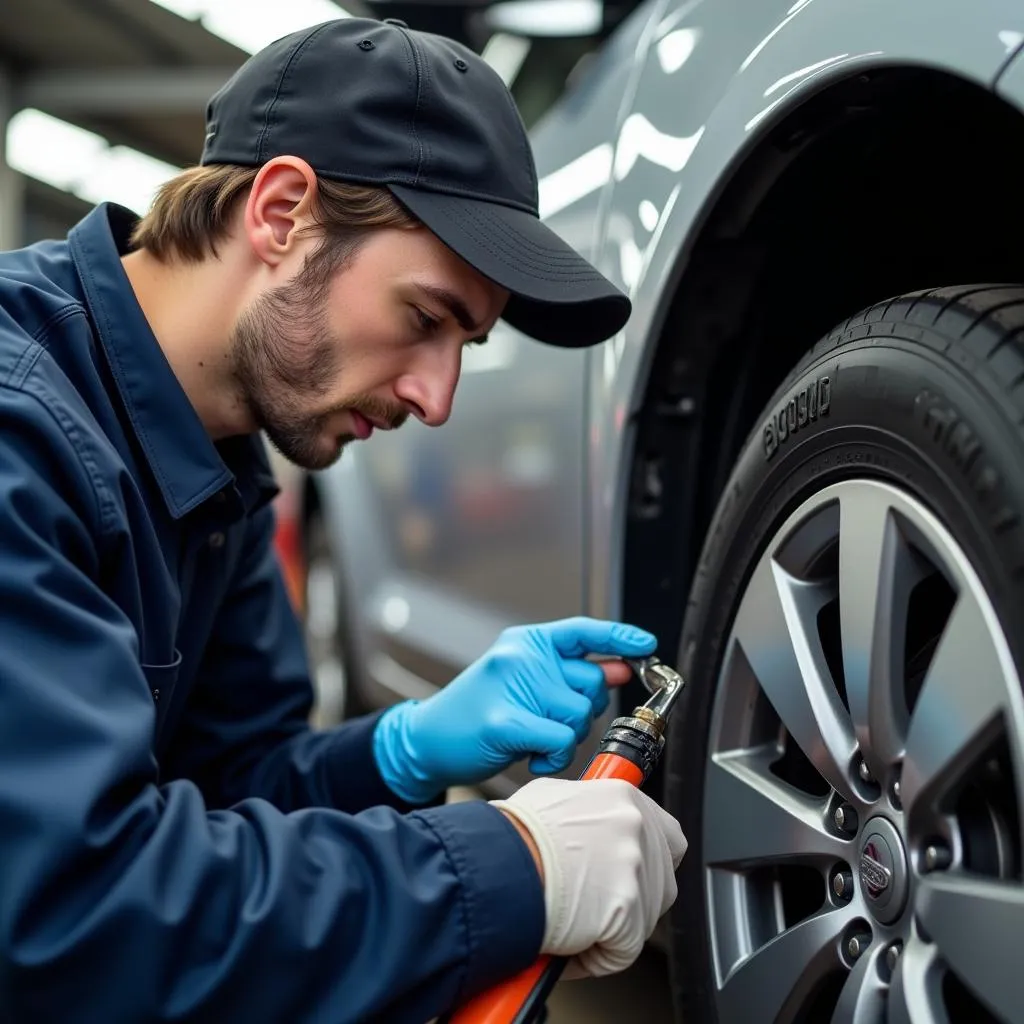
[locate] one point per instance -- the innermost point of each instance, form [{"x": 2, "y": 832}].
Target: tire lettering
[
  {"x": 809, "y": 404},
  {"x": 959, "y": 442},
  {"x": 963, "y": 446}
]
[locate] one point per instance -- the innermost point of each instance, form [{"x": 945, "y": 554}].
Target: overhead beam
[{"x": 122, "y": 92}]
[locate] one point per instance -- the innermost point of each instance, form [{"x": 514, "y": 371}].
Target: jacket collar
[{"x": 186, "y": 464}]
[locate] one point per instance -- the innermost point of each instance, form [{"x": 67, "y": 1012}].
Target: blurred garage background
[{"x": 104, "y": 100}]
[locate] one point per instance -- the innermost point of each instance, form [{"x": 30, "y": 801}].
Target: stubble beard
[{"x": 283, "y": 365}]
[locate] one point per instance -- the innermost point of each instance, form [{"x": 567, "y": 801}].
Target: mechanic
[{"x": 177, "y": 842}]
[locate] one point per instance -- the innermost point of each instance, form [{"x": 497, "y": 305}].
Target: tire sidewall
[{"x": 895, "y": 409}]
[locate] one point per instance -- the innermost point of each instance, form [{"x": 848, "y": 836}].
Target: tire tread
[{"x": 963, "y": 318}]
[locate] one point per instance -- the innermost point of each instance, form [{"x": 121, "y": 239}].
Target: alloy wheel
[{"x": 862, "y": 830}]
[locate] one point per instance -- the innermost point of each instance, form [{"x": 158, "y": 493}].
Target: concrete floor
[{"x": 639, "y": 995}]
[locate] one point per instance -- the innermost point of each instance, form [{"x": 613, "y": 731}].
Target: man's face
[{"x": 321, "y": 365}]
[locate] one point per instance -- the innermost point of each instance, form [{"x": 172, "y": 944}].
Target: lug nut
[
  {"x": 897, "y": 796},
  {"x": 892, "y": 956},
  {"x": 864, "y": 771},
  {"x": 845, "y": 818},
  {"x": 857, "y": 945},
  {"x": 842, "y": 885},
  {"x": 936, "y": 857}
]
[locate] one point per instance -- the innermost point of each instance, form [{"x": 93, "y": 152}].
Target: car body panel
[
  {"x": 716, "y": 75},
  {"x": 515, "y": 510},
  {"x": 1011, "y": 82}
]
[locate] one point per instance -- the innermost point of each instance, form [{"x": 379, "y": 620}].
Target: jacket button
[{"x": 217, "y": 540}]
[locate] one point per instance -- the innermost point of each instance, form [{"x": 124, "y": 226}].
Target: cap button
[{"x": 395, "y": 21}]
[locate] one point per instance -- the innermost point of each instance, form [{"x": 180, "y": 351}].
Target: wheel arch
[{"x": 919, "y": 171}]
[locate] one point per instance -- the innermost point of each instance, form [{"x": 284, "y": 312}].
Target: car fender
[
  {"x": 713, "y": 78},
  {"x": 1010, "y": 85}
]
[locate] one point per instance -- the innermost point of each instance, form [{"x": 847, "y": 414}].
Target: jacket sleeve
[
  {"x": 245, "y": 731},
  {"x": 123, "y": 900}
]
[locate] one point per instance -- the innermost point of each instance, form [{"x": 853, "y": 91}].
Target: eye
[{"x": 425, "y": 321}]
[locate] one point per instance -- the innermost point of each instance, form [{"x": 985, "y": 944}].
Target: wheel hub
[
  {"x": 869, "y": 720},
  {"x": 882, "y": 870}
]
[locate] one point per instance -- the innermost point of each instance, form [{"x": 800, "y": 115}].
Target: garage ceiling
[
  {"x": 140, "y": 75},
  {"x": 129, "y": 70}
]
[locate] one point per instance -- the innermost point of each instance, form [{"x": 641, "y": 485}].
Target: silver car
[{"x": 801, "y": 465}]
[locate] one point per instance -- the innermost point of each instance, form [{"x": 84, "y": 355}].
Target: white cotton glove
[{"x": 609, "y": 855}]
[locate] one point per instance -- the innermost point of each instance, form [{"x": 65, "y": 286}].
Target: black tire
[{"x": 925, "y": 391}]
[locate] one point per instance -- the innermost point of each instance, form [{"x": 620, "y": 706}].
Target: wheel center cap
[{"x": 882, "y": 870}]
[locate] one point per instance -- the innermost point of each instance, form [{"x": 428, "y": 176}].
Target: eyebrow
[{"x": 455, "y": 306}]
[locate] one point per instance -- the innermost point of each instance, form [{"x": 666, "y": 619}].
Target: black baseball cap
[{"x": 377, "y": 103}]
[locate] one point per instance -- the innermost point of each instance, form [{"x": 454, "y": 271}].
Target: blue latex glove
[{"x": 531, "y": 694}]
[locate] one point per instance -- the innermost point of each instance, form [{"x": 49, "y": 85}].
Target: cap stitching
[
  {"x": 524, "y": 143},
  {"x": 523, "y": 264},
  {"x": 407, "y": 181},
  {"x": 413, "y": 140},
  {"x": 533, "y": 252},
  {"x": 285, "y": 72},
  {"x": 417, "y": 73},
  {"x": 466, "y": 193},
  {"x": 421, "y": 100}
]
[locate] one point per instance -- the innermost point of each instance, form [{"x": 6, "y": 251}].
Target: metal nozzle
[{"x": 663, "y": 683}]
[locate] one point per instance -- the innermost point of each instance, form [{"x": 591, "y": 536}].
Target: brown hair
[{"x": 192, "y": 212}]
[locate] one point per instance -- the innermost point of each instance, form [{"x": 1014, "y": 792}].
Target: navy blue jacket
[{"x": 175, "y": 842}]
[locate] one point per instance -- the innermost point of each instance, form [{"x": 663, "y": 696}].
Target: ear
[{"x": 279, "y": 206}]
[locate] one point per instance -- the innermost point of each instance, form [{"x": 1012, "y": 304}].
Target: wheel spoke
[
  {"x": 915, "y": 995},
  {"x": 977, "y": 924},
  {"x": 775, "y": 980},
  {"x": 751, "y": 817},
  {"x": 959, "y": 707},
  {"x": 877, "y": 572},
  {"x": 862, "y": 1000},
  {"x": 776, "y": 629}
]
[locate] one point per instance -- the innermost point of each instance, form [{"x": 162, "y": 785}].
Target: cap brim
[{"x": 556, "y": 296}]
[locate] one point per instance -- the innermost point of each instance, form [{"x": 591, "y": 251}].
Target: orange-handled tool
[{"x": 629, "y": 750}]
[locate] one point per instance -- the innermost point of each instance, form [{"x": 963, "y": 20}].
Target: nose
[{"x": 429, "y": 389}]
